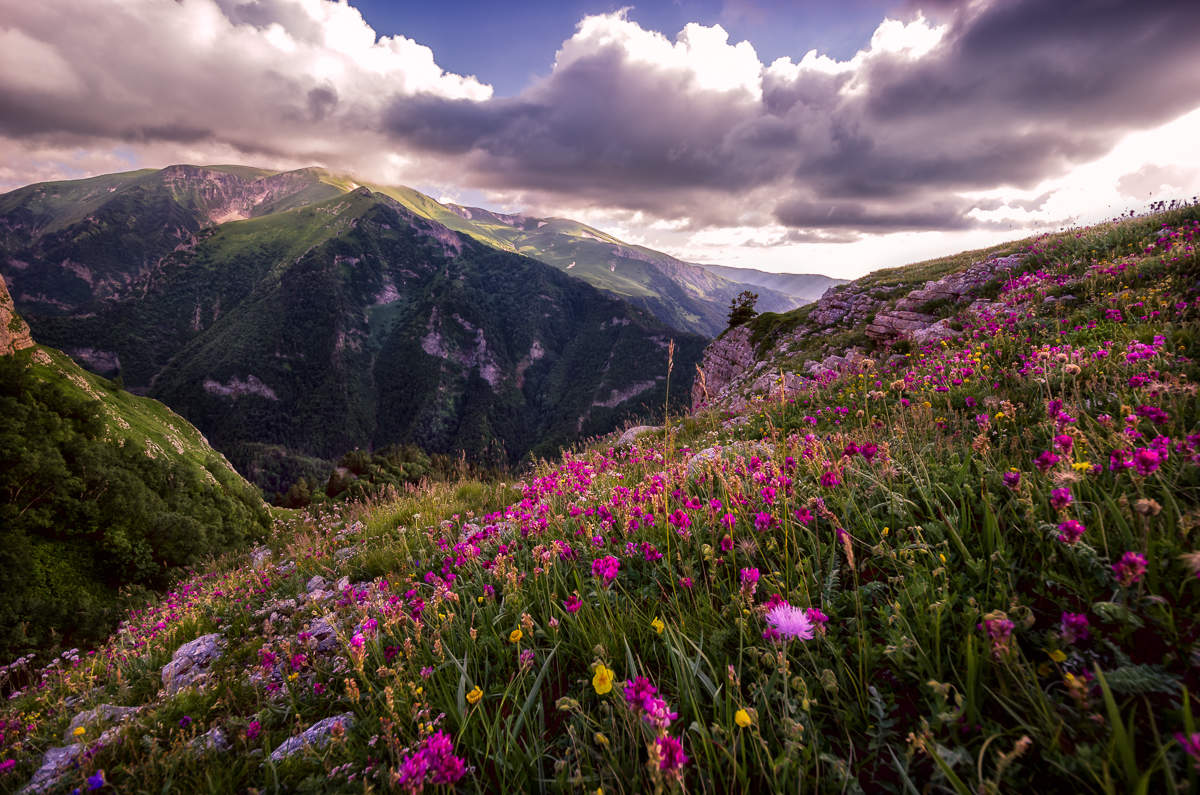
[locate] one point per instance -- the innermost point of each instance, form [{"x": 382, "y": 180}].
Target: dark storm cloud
[{"x": 1014, "y": 92}]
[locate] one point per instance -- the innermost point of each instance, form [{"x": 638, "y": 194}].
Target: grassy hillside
[
  {"x": 103, "y": 495},
  {"x": 352, "y": 323},
  {"x": 971, "y": 568}
]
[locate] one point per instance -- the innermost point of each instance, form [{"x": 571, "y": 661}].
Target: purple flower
[
  {"x": 790, "y": 622},
  {"x": 572, "y": 603},
  {"x": 1070, "y": 531},
  {"x": 96, "y": 780},
  {"x": 185, "y": 721},
  {"x": 432, "y": 762},
  {"x": 7, "y": 765},
  {"x": 606, "y": 568},
  {"x": 1064, "y": 442},
  {"x": 1191, "y": 745},
  {"x": 253, "y": 730},
  {"x": 671, "y": 757},
  {"x": 1046, "y": 461},
  {"x": 1060, "y": 498},
  {"x": 1011, "y": 479},
  {"x": 763, "y": 521},
  {"x": 1074, "y": 627},
  {"x": 1130, "y": 569},
  {"x": 830, "y": 479}
]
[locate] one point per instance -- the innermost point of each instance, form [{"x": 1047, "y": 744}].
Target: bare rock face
[
  {"x": 724, "y": 359},
  {"x": 315, "y": 736},
  {"x": 14, "y": 333},
  {"x": 190, "y": 662}
]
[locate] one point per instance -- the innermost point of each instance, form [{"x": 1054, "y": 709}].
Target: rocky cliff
[
  {"x": 14, "y": 333},
  {"x": 846, "y": 329}
]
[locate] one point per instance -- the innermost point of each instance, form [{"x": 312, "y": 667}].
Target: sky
[{"x": 794, "y": 136}]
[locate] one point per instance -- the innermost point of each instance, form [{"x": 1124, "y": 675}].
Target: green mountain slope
[
  {"x": 964, "y": 563},
  {"x": 354, "y": 322},
  {"x": 101, "y": 491},
  {"x": 801, "y": 287}
]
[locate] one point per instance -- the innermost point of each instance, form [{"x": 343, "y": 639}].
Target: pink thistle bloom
[{"x": 790, "y": 622}]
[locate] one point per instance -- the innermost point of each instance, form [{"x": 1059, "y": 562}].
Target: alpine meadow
[{"x": 704, "y": 397}]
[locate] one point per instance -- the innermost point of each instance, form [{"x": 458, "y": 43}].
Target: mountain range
[{"x": 294, "y": 316}]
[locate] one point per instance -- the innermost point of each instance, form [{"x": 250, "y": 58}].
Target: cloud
[
  {"x": 292, "y": 78},
  {"x": 1001, "y": 93},
  {"x": 1153, "y": 179},
  {"x": 909, "y": 133}
]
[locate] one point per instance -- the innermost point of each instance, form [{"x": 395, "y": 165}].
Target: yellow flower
[
  {"x": 79, "y": 730},
  {"x": 658, "y": 625},
  {"x": 515, "y": 636},
  {"x": 602, "y": 680},
  {"x": 742, "y": 718},
  {"x": 474, "y": 696},
  {"x": 601, "y": 739},
  {"x": 1057, "y": 655}
]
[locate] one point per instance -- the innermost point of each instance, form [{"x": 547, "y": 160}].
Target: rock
[
  {"x": 190, "y": 662},
  {"x": 104, "y": 713},
  {"x": 316, "y": 583},
  {"x": 55, "y": 763},
  {"x": 315, "y": 736},
  {"x": 259, "y": 557},
  {"x": 14, "y": 333},
  {"x": 212, "y": 740},
  {"x": 634, "y": 432},
  {"x": 701, "y": 460},
  {"x": 724, "y": 359},
  {"x": 346, "y": 553},
  {"x": 323, "y": 634},
  {"x": 342, "y": 584}
]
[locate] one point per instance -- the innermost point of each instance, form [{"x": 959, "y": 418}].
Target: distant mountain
[
  {"x": 100, "y": 491},
  {"x": 681, "y": 294},
  {"x": 803, "y": 288},
  {"x": 329, "y": 317}
]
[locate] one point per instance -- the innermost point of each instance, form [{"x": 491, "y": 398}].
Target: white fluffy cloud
[{"x": 956, "y": 126}]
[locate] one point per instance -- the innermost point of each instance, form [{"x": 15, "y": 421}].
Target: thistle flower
[{"x": 790, "y": 622}]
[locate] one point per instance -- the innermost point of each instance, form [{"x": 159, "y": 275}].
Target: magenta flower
[
  {"x": 1046, "y": 461},
  {"x": 830, "y": 479},
  {"x": 1064, "y": 442},
  {"x": 1060, "y": 498},
  {"x": 572, "y": 603},
  {"x": 1074, "y": 627},
  {"x": 253, "y": 730},
  {"x": 606, "y": 568},
  {"x": 1191, "y": 745},
  {"x": 726, "y": 543},
  {"x": 1130, "y": 569},
  {"x": 671, "y": 757},
  {"x": 1011, "y": 479},
  {"x": 790, "y": 622},
  {"x": 763, "y": 521},
  {"x": 1070, "y": 531}
]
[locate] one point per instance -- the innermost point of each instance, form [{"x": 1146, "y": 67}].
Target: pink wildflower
[{"x": 790, "y": 622}]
